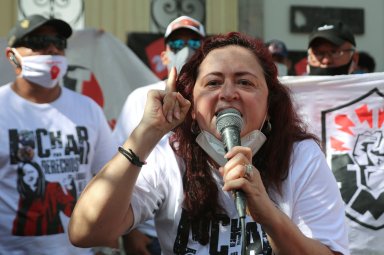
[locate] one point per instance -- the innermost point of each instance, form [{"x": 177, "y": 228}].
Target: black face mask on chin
[{"x": 344, "y": 69}]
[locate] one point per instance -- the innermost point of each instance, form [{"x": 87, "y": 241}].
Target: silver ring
[{"x": 248, "y": 174}]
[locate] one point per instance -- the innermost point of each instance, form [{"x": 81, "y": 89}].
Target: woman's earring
[
  {"x": 195, "y": 128},
  {"x": 267, "y": 127}
]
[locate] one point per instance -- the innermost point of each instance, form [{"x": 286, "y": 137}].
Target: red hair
[{"x": 272, "y": 160}]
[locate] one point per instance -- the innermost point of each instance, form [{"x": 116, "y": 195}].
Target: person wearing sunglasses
[
  {"x": 56, "y": 130},
  {"x": 182, "y": 38},
  {"x": 332, "y": 50}
]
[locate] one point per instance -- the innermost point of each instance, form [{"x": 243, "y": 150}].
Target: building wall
[
  {"x": 251, "y": 16},
  {"x": 8, "y": 14},
  {"x": 266, "y": 19},
  {"x": 222, "y": 16},
  {"x": 120, "y": 17},
  {"x": 123, "y": 16}
]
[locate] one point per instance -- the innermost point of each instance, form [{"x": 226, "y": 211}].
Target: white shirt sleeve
[{"x": 311, "y": 198}]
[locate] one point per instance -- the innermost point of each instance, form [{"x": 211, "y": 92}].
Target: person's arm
[
  {"x": 103, "y": 211},
  {"x": 284, "y": 236}
]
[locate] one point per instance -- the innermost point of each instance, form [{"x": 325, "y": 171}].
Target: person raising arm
[{"x": 294, "y": 205}]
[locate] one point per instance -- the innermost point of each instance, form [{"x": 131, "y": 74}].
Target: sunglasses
[
  {"x": 41, "y": 42},
  {"x": 334, "y": 54},
  {"x": 177, "y": 45}
]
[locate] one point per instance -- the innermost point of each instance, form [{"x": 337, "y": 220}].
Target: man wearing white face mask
[
  {"x": 182, "y": 37},
  {"x": 53, "y": 140}
]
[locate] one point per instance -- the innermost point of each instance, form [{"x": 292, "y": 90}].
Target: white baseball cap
[{"x": 185, "y": 22}]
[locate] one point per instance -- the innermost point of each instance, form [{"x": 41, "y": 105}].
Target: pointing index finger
[{"x": 171, "y": 81}]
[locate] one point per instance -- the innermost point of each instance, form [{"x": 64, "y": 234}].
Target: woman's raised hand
[{"x": 165, "y": 109}]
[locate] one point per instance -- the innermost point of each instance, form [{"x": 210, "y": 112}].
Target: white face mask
[
  {"x": 215, "y": 148},
  {"x": 179, "y": 59},
  {"x": 282, "y": 69},
  {"x": 44, "y": 70}
]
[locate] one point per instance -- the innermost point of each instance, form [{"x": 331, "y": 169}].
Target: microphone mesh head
[{"x": 229, "y": 117}]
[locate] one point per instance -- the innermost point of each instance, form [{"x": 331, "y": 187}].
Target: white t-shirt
[
  {"x": 133, "y": 110},
  {"x": 131, "y": 114},
  {"x": 311, "y": 199},
  {"x": 48, "y": 153}
]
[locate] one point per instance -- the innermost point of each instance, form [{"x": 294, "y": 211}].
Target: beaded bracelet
[{"x": 131, "y": 156}]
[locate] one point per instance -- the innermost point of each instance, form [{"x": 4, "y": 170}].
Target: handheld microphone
[{"x": 229, "y": 124}]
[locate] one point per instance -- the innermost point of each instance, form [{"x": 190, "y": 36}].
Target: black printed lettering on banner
[
  {"x": 365, "y": 201},
  {"x": 357, "y": 195}
]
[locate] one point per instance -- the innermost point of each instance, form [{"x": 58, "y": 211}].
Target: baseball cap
[
  {"x": 186, "y": 23},
  {"x": 29, "y": 24},
  {"x": 277, "y": 47},
  {"x": 334, "y": 31}
]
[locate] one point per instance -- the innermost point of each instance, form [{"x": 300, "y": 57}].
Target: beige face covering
[{"x": 215, "y": 148}]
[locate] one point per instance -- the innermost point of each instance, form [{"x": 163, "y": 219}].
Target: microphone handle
[
  {"x": 231, "y": 138},
  {"x": 240, "y": 202}
]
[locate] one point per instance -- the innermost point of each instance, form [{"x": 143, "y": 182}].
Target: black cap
[
  {"x": 31, "y": 23},
  {"x": 334, "y": 31}
]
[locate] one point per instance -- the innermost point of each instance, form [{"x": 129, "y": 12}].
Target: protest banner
[{"x": 347, "y": 113}]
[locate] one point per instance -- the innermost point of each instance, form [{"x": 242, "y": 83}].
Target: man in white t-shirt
[
  {"x": 182, "y": 37},
  {"x": 53, "y": 140}
]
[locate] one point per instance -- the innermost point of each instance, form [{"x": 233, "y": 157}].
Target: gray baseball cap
[{"x": 29, "y": 24}]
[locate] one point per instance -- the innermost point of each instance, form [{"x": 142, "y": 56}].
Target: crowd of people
[
  {"x": 331, "y": 51},
  {"x": 163, "y": 180}
]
